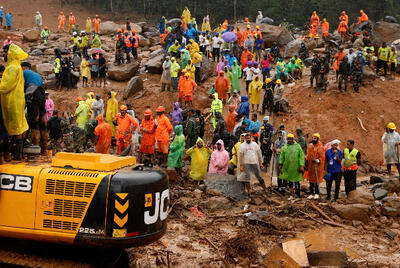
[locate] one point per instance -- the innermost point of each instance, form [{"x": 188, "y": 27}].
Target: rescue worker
[
  {"x": 342, "y": 29},
  {"x": 81, "y": 112},
  {"x": 268, "y": 102},
  {"x": 186, "y": 14},
  {"x": 112, "y": 110},
  {"x": 383, "y": 58},
  {"x": 71, "y": 21},
  {"x": 315, "y": 165},
  {"x": 103, "y": 134},
  {"x": 301, "y": 140},
  {"x": 128, "y": 45},
  {"x": 363, "y": 17},
  {"x": 49, "y": 106},
  {"x": 176, "y": 150},
  {"x": 1, "y": 15},
  {"x": 97, "y": 106},
  {"x": 236, "y": 74},
  {"x": 314, "y": 25},
  {"x": 338, "y": 59},
  {"x": 293, "y": 69},
  {"x": 175, "y": 67},
  {"x": 393, "y": 62},
  {"x": 391, "y": 141},
  {"x": 166, "y": 74},
  {"x": 44, "y": 34},
  {"x": 216, "y": 107},
  {"x": 8, "y": 21},
  {"x": 199, "y": 155},
  {"x": 88, "y": 25},
  {"x": 322, "y": 78},
  {"x": 344, "y": 73},
  {"x": 333, "y": 172},
  {"x": 325, "y": 28},
  {"x": 192, "y": 128},
  {"x": 126, "y": 125},
  {"x": 96, "y": 43},
  {"x": 222, "y": 86},
  {"x": 147, "y": 129},
  {"x": 344, "y": 17},
  {"x": 231, "y": 118},
  {"x": 266, "y": 141},
  {"x": 255, "y": 93},
  {"x": 135, "y": 44},
  {"x": 315, "y": 69},
  {"x": 38, "y": 20},
  {"x": 291, "y": 164},
  {"x": 188, "y": 87},
  {"x": 162, "y": 133},
  {"x": 205, "y": 27},
  {"x": 55, "y": 134},
  {"x": 96, "y": 23},
  {"x": 351, "y": 160},
  {"x": 356, "y": 73}
]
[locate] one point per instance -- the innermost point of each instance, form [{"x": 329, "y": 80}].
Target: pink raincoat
[
  {"x": 219, "y": 160},
  {"x": 49, "y": 108}
]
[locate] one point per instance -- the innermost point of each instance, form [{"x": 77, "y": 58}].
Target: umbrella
[
  {"x": 229, "y": 37},
  {"x": 96, "y": 51}
]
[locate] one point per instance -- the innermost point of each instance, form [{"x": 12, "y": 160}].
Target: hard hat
[
  {"x": 257, "y": 27},
  {"x": 79, "y": 98},
  {"x": 187, "y": 74},
  {"x": 70, "y": 13},
  {"x": 249, "y": 63},
  {"x": 119, "y": 30},
  {"x": 133, "y": 31},
  {"x": 269, "y": 80},
  {"x": 221, "y": 72},
  {"x": 82, "y": 32},
  {"x": 148, "y": 112},
  {"x": 126, "y": 31},
  {"x": 123, "y": 108},
  {"x": 160, "y": 109},
  {"x": 316, "y": 135},
  {"x": 290, "y": 135},
  {"x": 248, "y": 26},
  {"x": 173, "y": 58},
  {"x": 74, "y": 33},
  {"x": 279, "y": 81},
  {"x": 255, "y": 63},
  {"x": 391, "y": 125},
  {"x": 266, "y": 118}
]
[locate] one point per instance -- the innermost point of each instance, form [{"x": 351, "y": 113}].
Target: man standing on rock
[
  {"x": 391, "y": 141},
  {"x": 383, "y": 58},
  {"x": 250, "y": 161},
  {"x": 61, "y": 22},
  {"x": 351, "y": 160},
  {"x": 71, "y": 22}
]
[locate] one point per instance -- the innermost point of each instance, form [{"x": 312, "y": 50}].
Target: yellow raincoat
[
  {"x": 82, "y": 114},
  {"x": 89, "y": 100},
  {"x": 112, "y": 110},
  {"x": 190, "y": 69},
  {"x": 199, "y": 162},
  {"x": 255, "y": 91},
  {"x": 88, "y": 25},
  {"x": 206, "y": 26},
  {"x": 186, "y": 15},
  {"x": 12, "y": 93},
  {"x": 85, "y": 69}
]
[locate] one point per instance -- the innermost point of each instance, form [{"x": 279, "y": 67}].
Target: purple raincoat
[{"x": 176, "y": 115}]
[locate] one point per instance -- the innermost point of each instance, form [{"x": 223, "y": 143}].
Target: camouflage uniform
[
  {"x": 73, "y": 136},
  {"x": 90, "y": 125},
  {"x": 322, "y": 78},
  {"x": 55, "y": 145},
  {"x": 356, "y": 75}
]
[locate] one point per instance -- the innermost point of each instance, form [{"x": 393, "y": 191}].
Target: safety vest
[
  {"x": 350, "y": 158},
  {"x": 57, "y": 66},
  {"x": 127, "y": 41},
  {"x": 136, "y": 41}
]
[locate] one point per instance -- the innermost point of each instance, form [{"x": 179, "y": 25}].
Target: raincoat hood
[
  {"x": 231, "y": 108},
  {"x": 178, "y": 130},
  {"x": 15, "y": 53},
  {"x": 90, "y": 95},
  {"x": 299, "y": 132},
  {"x": 176, "y": 106},
  {"x": 200, "y": 140},
  {"x": 215, "y": 96},
  {"x": 113, "y": 94},
  {"x": 244, "y": 98},
  {"x": 100, "y": 119},
  {"x": 222, "y": 146}
]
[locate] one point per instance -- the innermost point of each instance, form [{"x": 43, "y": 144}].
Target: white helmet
[
  {"x": 1, "y": 7},
  {"x": 74, "y": 33}
]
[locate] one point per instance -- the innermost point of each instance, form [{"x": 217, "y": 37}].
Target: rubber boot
[
  {"x": 35, "y": 136},
  {"x": 44, "y": 137},
  {"x": 19, "y": 147}
]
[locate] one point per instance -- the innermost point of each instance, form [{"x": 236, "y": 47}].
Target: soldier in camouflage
[
  {"x": 322, "y": 78},
  {"x": 73, "y": 136},
  {"x": 356, "y": 73}
]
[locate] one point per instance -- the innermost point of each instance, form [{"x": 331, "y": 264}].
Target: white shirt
[
  {"x": 216, "y": 42},
  {"x": 251, "y": 152},
  {"x": 256, "y": 72},
  {"x": 351, "y": 57},
  {"x": 202, "y": 40},
  {"x": 248, "y": 73}
]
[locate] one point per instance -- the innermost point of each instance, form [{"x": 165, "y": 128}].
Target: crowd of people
[{"x": 241, "y": 145}]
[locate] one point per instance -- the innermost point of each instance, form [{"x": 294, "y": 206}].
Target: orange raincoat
[
  {"x": 231, "y": 119},
  {"x": 184, "y": 25},
  {"x": 314, "y": 24},
  {"x": 148, "y": 127},
  {"x": 344, "y": 17},
  {"x": 96, "y": 22},
  {"x": 243, "y": 57},
  {"x": 222, "y": 86},
  {"x": 315, "y": 152},
  {"x": 126, "y": 126},
  {"x": 239, "y": 35},
  {"x": 104, "y": 131},
  {"x": 338, "y": 59},
  {"x": 188, "y": 86},
  {"x": 325, "y": 28},
  {"x": 61, "y": 22},
  {"x": 342, "y": 29},
  {"x": 363, "y": 17}
]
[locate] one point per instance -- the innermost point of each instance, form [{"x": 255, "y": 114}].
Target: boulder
[
  {"x": 143, "y": 41},
  {"x": 227, "y": 185},
  {"x": 380, "y": 193},
  {"x": 206, "y": 69},
  {"x": 31, "y": 35},
  {"x": 271, "y": 34},
  {"x": 154, "y": 65},
  {"x": 36, "y": 52},
  {"x": 109, "y": 27},
  {"x": 390, "y": 19},
  {"x": 138, "y": 29},
  {"x": 386, "y": 31},
  {"x": 267, "y": 20},
  {"x": 51, "y": 77},
  {"x": 123, "y": 72},
  {"x": 155, "y": 48},
  {"x": 392, "y": 186},
  {"x": 44, "y": 69},
  {"x": 369, "y": 73},
  {"x": 50, "y": 84},
  {"x": 359, "y": 212},
  {"x": 389, "y": 211},
  {"x": 375, "y": 179},
  {"x": 308, "y": 62},
  {"x": 217, "y": 202},
  {"x": 360, "y": 196},
  {"x": 134, "y": 85},
  {"x": 150, "y": 34},
  {"x": 293, "y": 47},
  {"x": 157, "y": 52}
]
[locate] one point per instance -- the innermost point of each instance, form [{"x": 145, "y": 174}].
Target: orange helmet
[
  {"x": 45, "y": 27},
  {"x": 133, "y": 31},
  {"x": 61, "y": 13},
  {"x": 148, "y": 112},
  {"x": 120, "y": 30},
  {"x": 79, "y": 98},
  {"x": 9, "y": 37},
  {"x": 123, "y": 108},
  {"x": 97, "y": 15},
  {"x": 160, "y": 109},
  {"x": 126, "y": 31},
  {"x": 70, "y": 13}
]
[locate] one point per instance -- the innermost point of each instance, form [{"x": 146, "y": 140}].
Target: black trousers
[
  {"x": 350, "y": 180},
  {"x": 379, "y": 64},
  {"x": 216, "y": 54},
  {"x": 296, "y": 186},
  {"x": 337, "y": 177},
  {"x": 247, "y": 85},
  {"x": 231, "y": 169},
  {"x": 314, "y": 188}
]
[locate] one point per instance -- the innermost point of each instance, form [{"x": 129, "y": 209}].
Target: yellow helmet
[
  {"x": 248, "y": 26},
  {"x": 290, "y": 135},
  {"x": 268, "y": 80},
  {"x": 391, "y": 125},
  {"x": 279, "y": 81},
  {"x": 317, "y": 135}
]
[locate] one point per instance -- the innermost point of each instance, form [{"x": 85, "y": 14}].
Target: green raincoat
[
  {"x": 96, "y": 41},
  {"x": 185, "y": 57},
  {"x": 229, "y": 75},
  {"x": 199, "y": 162},
  {"x": 176, "y": 149},
  {"x": 82, "y": 114},
  {"x": 236, "y": 73},
  {"x": 292, "y": 158}
]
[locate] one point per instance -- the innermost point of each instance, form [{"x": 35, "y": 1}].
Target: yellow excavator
[{"x": 88, "y": 199}]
